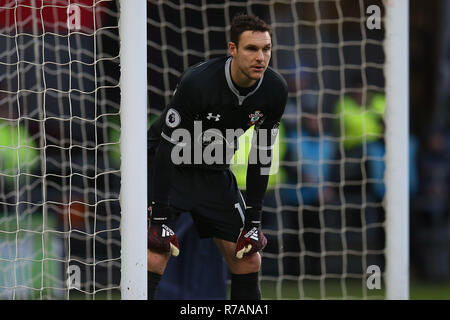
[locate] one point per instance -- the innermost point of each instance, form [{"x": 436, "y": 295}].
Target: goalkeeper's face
[{"x": 251, "y": 57}]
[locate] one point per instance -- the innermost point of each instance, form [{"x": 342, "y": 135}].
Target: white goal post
[
  {"x": 133, "y": 147},
  {"x": 397, "y": 149}
]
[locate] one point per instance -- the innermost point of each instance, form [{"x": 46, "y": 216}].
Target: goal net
[
  {"x": 59, "y": 149},
  {"x": 323, "y": 214}
]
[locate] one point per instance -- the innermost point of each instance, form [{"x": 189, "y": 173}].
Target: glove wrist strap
[
  {"x": 252, "y": 216},
  {"x": 159, "y": 212}
]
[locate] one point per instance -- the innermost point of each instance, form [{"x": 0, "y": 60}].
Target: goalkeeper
[{"x": 227, "y": 93}]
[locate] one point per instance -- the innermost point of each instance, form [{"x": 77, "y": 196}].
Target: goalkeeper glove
[
  {"x": 161, "y": 237},
  {"x": 251, "y": 239}
]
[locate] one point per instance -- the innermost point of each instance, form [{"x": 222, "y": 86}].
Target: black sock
[
  {"x": 152, "y": 284},
  {"x": 245, "y": 287}
]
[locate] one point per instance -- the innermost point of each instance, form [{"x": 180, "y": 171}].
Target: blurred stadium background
[{"x": 59, "y": 205}]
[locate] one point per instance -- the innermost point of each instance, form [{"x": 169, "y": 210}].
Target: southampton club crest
[{"x": 254, "y": 117}]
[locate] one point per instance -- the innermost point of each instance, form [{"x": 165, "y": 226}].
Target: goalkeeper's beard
[{"x": 251, "y": 75}]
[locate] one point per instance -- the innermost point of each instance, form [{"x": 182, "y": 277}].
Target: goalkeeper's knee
[
  {"x": 157, "y": 262},
  {"x": 248, "y": 264}
]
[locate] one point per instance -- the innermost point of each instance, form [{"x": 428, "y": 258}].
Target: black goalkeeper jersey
[{"x": 204, "y": 119}]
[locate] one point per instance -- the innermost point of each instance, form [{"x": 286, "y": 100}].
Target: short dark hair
[{"x": 247, "y": 22}]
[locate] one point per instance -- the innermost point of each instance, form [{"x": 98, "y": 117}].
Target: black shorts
[{"x": 213, "y": 199}]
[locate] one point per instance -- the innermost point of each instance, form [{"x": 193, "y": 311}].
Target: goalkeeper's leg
[
  {"x": 244, "y": 272},
  {"x": 156, "y": 264}
]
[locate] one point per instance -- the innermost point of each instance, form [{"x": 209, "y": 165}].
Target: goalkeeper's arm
[
  {"x": 179, "y": 114},
  {"x": 251, "y": 239},
  {"x": 161, "y": 238}
]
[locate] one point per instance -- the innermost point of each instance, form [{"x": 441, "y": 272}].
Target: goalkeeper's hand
[
  {"x": 161, "y": 237},
  {"x": 251, "y": 239}
]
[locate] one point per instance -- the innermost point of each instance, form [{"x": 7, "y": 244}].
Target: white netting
[
  {"x": 59, "y": 162},
  {"x": 324, "y": 216}
]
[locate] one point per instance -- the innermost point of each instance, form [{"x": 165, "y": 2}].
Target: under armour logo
[{"x": 210, "y": 116}]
